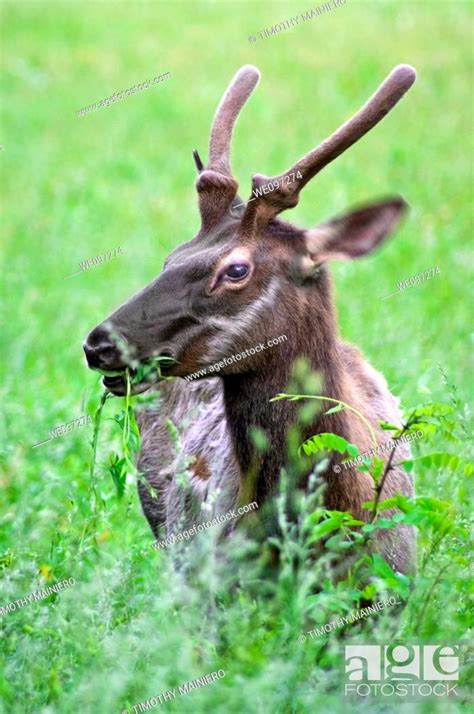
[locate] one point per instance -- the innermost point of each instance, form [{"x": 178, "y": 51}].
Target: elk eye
[{"x": 237, "y": 271}]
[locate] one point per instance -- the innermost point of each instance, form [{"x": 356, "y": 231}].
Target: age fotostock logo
[{"x": 401, "y": 670}]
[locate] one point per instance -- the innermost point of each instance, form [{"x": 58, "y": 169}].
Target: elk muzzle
[{"x": 149, "y": 327}]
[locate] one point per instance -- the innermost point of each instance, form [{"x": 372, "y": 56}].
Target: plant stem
[
  {"x": 388, "y": 466},
  {"x": 95, "y": 438},
  {"x": 344, "y": 404}
]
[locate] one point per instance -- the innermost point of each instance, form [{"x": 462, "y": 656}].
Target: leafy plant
[{"x": 123, "y": 465}]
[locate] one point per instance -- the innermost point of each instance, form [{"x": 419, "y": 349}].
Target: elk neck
[{"x": 311, "y": 333}]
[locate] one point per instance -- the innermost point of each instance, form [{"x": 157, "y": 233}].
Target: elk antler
[
  {"x": 215, "y": 184},
  {"x": 227, "y": 112},
  {"x": 287, "y": 194}
]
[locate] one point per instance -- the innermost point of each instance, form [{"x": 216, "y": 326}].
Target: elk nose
[{"x": 101, "y": 352}]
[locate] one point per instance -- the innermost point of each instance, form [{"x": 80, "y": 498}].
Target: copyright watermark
[
  {"x": 294, "y": 21},
  {"x": 171, "y": 693},
  {"x": 349, "y": 619},
  {"x": 387, "y": 446},
  {"x": 401, "y": 670}
]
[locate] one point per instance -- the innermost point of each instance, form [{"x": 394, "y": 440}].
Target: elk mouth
[
  {"x": 138, "y": 380},
  {"x": 117, "y": 385}
]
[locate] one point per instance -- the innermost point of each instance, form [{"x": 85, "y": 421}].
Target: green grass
[{"x": 73, "y": 187}]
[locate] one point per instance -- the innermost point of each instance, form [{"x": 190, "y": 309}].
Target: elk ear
[{"x": 354, "y": 234}]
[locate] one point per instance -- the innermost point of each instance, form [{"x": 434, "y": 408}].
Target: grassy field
[{"x": 132, "y": 626}]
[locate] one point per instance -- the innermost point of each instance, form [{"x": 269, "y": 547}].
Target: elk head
[{"x": 222, "y": 292}]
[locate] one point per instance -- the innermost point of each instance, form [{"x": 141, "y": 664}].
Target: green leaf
[
  {"x": 118, "y": 471},
  {"x": 328, "y": 442},
  {"x": 337, "y": 408},
  {"x": 442, "y": 460},
  {"x": 377, "y": 469},
  {"x": 382, "y": 568},
  {"x": 290, "y": 397},
  {"x": 336, "y": 520},
  {"x": 434, "y": 409},
  {"x": 424, "y": 512},
  {"x": 369, "y": 528},
  {"x": 386, "y": 426},
  {"x": 369, "y": 592}
]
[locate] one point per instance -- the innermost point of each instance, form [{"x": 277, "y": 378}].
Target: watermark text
[
  {"x": 65, "y": 428},
  {"x": 118, "y": 96},
  {"x": 199, "y": 528},
  {"x": 235, "y": 358},
  {"x": 38, "y": 595}
]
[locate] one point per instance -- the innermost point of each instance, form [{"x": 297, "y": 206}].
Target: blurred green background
[{"x": 73, "y": 187}]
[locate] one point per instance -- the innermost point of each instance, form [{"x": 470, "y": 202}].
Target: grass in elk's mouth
[
  {"x": 141, "y": 377},
  {"x": 121, "y": 465},
  {"x": 95, "y": 437},
  {"x": 151, "y": 370}
]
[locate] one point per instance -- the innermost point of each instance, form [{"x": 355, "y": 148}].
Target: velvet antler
[
  {"x": 215, "y": 184},
  {"x": 286, "y": 195}
]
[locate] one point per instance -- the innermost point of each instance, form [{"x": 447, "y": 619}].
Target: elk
[{"x": 248, "y": 276}]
